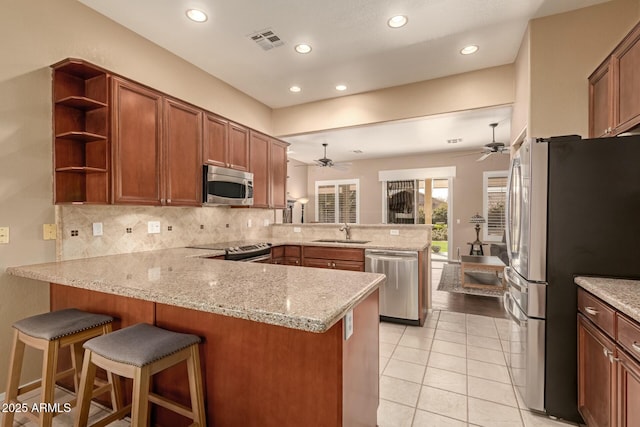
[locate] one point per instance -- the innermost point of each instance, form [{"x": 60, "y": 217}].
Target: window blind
[{"x": 496, "y": 201}]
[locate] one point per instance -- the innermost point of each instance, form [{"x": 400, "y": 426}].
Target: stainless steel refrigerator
[{"x": 573, "y": 208}]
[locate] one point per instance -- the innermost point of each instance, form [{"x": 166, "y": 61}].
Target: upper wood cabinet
[
  {"x": 182, "y": 154},
  {"x": 268, "y": 163},
  {"x": 225, "y": 144},
  {"x": 81, "y": 148},
  {"x": 614, "y": 90},
  {"x": 137, "y": 143}
]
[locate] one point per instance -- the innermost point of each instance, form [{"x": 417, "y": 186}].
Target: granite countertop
[
  {"x": 398, "y": 245},
  {"x": 623, "y": 295},
  {"x": 308, "y": 299}
]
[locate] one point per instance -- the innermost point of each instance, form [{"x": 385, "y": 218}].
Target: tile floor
[{"x": 451, "y": 372}]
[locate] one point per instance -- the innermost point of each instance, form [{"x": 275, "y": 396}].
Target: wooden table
[{"x": 484, "y": 264}]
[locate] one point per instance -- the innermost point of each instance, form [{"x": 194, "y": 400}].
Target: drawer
[
  {"x": 346, "y": 254},
  {"x": 629, "y": 335},
  {"x": 277, "y": 252},
  {"x": 597, "y": 311},
  {"x": 292, "y": 251}
]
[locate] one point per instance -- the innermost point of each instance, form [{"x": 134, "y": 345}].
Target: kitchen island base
[{"x": 256, "y": 374}]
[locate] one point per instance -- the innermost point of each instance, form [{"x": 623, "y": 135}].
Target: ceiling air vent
[{"x": 266, "y": 39}]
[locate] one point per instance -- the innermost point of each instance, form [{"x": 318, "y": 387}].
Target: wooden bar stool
[
  {"x": 139, "y": 352},
  {"x": 50, "y": 332}
]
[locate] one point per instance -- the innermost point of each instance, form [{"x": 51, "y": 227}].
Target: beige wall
[
  {"x": 296, "y": 185},
  {"x": 565, "y": 50},
  {"x": 467, "y": 186},
  {"x": 476, "y": 89},
  {"x": 33, "y": 35},
  {"x": 520, "y": 114}
]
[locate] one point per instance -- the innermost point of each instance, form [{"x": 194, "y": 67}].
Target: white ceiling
[
  {"x": 352, "y": 43},
  {"x": 405, "y": 137}
]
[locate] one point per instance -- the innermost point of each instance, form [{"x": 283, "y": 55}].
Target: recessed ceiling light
[
  {"x": 341, "y": 87},
  {"x": 397, "y": 21},
  {"x": 295, "y": 89},
  {"x": 468, "y": 50},
  {"x": 196, "y": 15},
  {"x": 303, "y": 48}
]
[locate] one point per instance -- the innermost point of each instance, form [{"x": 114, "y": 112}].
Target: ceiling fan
[
  {"x": 326, "y": 162},
  {"x": 493, "y": 146}
]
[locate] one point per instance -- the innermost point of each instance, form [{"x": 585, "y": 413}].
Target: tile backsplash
[{"x": 124, "y": 228}]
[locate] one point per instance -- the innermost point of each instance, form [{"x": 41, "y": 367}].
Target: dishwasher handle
[{"x": 390, "y": 255}]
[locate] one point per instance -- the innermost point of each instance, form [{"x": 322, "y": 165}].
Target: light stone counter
[
  {"x": 373, "y": 244},
  {"x": 623, "y": 295},
  {"x": 308, "y": 299}
]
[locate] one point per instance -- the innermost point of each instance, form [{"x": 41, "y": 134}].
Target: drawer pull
[
  {"x": 592, "y": 311},
  {"x": 636, "y": 346}
]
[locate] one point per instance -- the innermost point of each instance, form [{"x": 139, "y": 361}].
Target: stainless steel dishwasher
[{"x": 399, "y": 294}]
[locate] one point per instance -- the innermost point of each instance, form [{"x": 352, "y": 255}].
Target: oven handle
[{"x": 256, "y": 259}]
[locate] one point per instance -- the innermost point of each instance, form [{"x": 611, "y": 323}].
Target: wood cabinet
[
  {"x": 268, "y": 163},
  {"x": 81, "y": 147},
  {"x": 182, "y": 154},
  {"x": 608, "y": 364},
  {"x": 137, "y": 143},
  {"x": 225, "y": 144},
  {"x": 338, "y": 258},
  {"x": 614, "y": 88},
  {"x": 157, "y": 148},
  {"x": 287, "y": 255}
]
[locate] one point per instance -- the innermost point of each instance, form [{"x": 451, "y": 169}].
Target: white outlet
[
  {"x": 4, "y": 235},
  {"x": 153, "y": 227},
  {"x": 97, "y": 229},
  {"x": 458, "y": 221},
  {"x": 154, "y": 273},
  {"x": 297, "y": 229},
  {"x": 248, "y": 223},
  {"x": 266, "y": 223},
  {"x": 348, "y": 325},
  {"x": 394, "y": 232}
]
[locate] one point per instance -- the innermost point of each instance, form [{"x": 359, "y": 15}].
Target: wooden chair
[
  {"x": 50, "y": 332},
  {"x": 138, "y": 352}
]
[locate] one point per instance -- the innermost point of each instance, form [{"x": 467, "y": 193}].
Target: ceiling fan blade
[{"x": 484, "y": 156}]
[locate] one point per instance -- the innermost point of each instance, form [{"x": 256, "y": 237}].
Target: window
[
  {"x": 495, "y": 198},
  {"x": 337, "y": 201}
]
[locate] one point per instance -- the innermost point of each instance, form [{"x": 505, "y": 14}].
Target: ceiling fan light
[{"x": 196, "y": 15}]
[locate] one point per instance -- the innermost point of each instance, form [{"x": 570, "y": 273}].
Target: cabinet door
[
  {"x": 215, "y": 141},
  {"x": 183, "y": 148},
  {"x": 238, "y": 146},
  {"x": 627, "y": 96},
  {"x": 317, "y": 262},
  {"x": 628, "y": 391},
  {"x": 259, "y": 165},
  {"x": 600, "y": 102},
  {"x": 348, "y": 265},
  {"x": 596, "y": 376},
  {"x": 278, "y": 170},
  {"x": 137, "y": 138}
]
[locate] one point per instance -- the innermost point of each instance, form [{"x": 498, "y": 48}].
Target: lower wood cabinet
[
  {"x": 608, "y": 365},
  {"x": 338, "y": 258}
]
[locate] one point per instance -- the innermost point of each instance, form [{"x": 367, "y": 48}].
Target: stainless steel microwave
[{"x": 224, "y": 186}]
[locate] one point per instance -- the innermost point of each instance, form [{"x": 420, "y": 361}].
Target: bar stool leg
[
  {"x": 86, "y": 391},
  {"x": 13, "y": 382},
  {"x": 49, "y": 365},
  {"x": 195, "y": 387},
  {"x": 140, "y": 404}
]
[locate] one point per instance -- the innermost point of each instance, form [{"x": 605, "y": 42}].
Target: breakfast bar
[{"x": 275, "y": 351}]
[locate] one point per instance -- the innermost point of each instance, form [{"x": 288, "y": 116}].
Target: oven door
[{"x": 526, "y": 355}]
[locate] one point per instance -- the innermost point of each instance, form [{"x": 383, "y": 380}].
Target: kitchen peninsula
[{"x": 274, "y": 349}]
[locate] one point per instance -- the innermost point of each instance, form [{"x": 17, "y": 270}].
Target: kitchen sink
[{"x": 356, "y": 242}]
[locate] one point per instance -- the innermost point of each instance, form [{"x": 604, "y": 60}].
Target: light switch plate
[
  {"x": 394, "y": 232},
  {"x": 153, "y": 227},
  {"x": 4, "y": 235},
  {"x": 266, "y": 223},
  {"x": 49, "y": 232},
  {"x": 297, "y": 229},
  {"x": 248, "y": 223},
  {"x": 97, "y": 229},
  {"x": 348, "y": 325}
]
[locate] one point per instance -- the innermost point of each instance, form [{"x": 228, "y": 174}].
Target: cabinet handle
[
  {"x": 592, "y": 311},
  {"x": 328, "y": 264},
  {"x": 333, "y": 264},
  {"x": 169, "y": 201},
  {"x": 298, "y": 262},
  {"x": 636, "y": 346},
  {"x": 162, "y": 201}
]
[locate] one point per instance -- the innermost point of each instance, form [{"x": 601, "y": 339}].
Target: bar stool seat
[
  {"x": 50, "y": 332},
  {"x": 139, "y": 352}
]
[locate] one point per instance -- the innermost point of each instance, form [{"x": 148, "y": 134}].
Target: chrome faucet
[{"x": 347, "y": 231}]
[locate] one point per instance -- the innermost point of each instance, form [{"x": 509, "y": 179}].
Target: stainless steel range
[{"x": 240, "y": 251}]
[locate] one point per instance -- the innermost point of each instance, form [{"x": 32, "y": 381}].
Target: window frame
[
  {"x": 485, "y": 202},
  {"x": 336, "y": 183}
]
